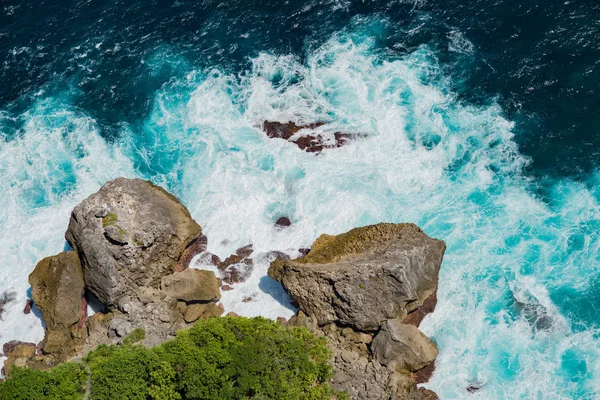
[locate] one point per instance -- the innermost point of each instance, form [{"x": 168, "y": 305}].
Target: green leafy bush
[
  {"x": 218, "y": 358},
  {"x": 65, "y": 382}
]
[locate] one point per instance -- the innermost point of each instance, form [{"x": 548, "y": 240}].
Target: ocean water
[{"x": 474, "y": 120}]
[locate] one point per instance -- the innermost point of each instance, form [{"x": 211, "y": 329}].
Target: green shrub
[
  {"x": 136, "y": 336},
  {"x": 65, "y": 382},
  {"x": 217, "y": 358}
]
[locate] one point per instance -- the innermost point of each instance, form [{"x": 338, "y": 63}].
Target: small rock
[
  {"x": 192, "y": 285},
  {"x": 247, "y": 299},
  {"x": 281, "y": 320},
  {"x": 194, "y": 311},
  {"x": 212, "y": 310},
  {"x": 226, "y": 288},
  {"x": 283, "y": 222},
  {"x": 349, "y": 356},
  {"x": 232, "y": 314},
  {"x": 28, "y": 305},
  {"x": 9, "y": 347},
  {"x": 304, "y": 251},
  {"x": 403, "y": 347},
  {"x": 120, "y": 327}
]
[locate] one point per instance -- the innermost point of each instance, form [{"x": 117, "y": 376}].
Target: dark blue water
[
  {"x": 476, "y": 119},
  {"x": 539, "y": 59}
]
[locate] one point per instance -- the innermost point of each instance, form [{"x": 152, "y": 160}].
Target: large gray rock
[
  {"x": 365, "y": 276},
  {"x": 129, "y": 235},
  {"x": 403, "y": 347}
]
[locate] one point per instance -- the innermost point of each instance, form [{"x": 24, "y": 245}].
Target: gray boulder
[
  {"x": 365, "y": 276},
  {"x": 403, "y": 347},
  {"x": 128, "y": 235}
]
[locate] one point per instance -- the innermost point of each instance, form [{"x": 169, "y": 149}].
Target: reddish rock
[
  {"x": 304, "y": 251},
  {"x": 247, "y": 299},
  {"x": 226, "y": 288},
  {"x": 28, "y": 305},
  {"x": 283, "y": 222},
  {"x": 415, "y": 317},
  {"x": 277, "y": 255},
  {"x": 424, "y": 374},
  {"x": 311, "y": 143},
  {"x": 281, "y": 320},
  {"x": 194, "y": 248},
  {"x": 237, "y": 267},
  {"x": 232, "y": 314},
  {"x": 427, "y": 394},
  {"x": 84, "y": 314},
  {"x": 8, "y": 347}
]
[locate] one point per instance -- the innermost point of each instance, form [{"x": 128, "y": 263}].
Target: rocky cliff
[
  {"x": 366, "y": 290},
  {"x": 362, "y": 290}
]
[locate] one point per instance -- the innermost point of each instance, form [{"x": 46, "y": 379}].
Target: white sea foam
[{"x": 419, "y": 156}]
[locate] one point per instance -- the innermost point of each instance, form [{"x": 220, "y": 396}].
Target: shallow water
[{"x": 177, "y": 94}]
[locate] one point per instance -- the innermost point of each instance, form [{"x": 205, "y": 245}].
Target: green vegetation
[
  {"x": 136, "y": 336},
  {"x": 110, "y": 219},
  {"x": 218, "y": 358},
  {"x": 65, "y": 382}
]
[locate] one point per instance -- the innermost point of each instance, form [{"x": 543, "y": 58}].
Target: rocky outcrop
[
  {"x": 19, "y": 354},
  {"x": 129, "y": 234},
  {"x": 304, "y": 136},
  {"x": 128, "y": 239},
  {"x": 57, "y": 289},
  {"x": 364, "y": 277},
  {"x": 356, "y": 289}
]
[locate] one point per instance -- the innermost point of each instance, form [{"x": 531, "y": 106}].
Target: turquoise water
[{"x": 519, "y": 288}]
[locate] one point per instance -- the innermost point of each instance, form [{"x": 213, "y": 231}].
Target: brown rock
[
  {"x": 28, "y": 305},
  {"x": 312, "y": 143},
  {"x": 194, "y": 311},
  {"x": 226, "y": 288},
  {"x": 18, "y": 356},
  {"x": 57, "y": 289},
  {"x": 365, "y": 276},
  {"x": 9, "y": 347},
  {"x": 424, "y": 374},
  {"x": 403, "y": 347},
  {"x": 212, "y": 310},
  {"x": 416, "y": 317},
  {"x": 283, "y": 222},
  {"x": 237, "y": 267},
  {"x": 232, "y": 314},
  {"x": 192, "y": 285},
  {"x": 195, "y": 247}
]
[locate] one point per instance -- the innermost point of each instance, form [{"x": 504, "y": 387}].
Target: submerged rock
[
  {"x": 5, "y": 298},
  {"x": 128, "y": 235},
  {"x": 365, "y": 276},
  {"x": 311, "y": 143},
  {"x": 237, "y": 267}
]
